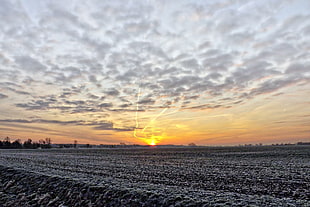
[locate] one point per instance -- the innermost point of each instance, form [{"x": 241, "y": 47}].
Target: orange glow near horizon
[
  {"x": 152, "y": 142},
  {"x": 241, "y": 124},
  {"x": 151, "y": 134}
]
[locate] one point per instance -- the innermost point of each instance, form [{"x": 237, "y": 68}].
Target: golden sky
[{"x": 155, "y": 72}]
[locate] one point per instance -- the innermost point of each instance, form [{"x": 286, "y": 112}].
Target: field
[{"x": 198, "y": 176}]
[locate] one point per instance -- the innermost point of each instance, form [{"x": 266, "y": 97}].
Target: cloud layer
[{"x": 102, "y": 60}]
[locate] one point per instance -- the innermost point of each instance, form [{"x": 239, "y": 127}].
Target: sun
[{"x": 152, "y": 143}]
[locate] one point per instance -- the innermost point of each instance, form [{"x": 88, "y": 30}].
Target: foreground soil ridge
[{"x": 22, "y": 188}]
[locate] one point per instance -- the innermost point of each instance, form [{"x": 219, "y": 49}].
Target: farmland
[{"x": 197, "y": 176}]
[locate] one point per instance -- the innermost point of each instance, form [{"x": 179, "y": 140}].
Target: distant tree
[
  {"x": 42, "y": 143},
  {"x": 17, "y": 144},
  {"x": 303, "y": 143},
  {"x": 28, "y": 144},
  {"x": 1, "y": 144},
  {"x": 6, "y": 143},
  {"x": 36, "y": 145},
  {"x": 192, "y": 144},
  {"x": 7, "y": 139},
  {"x": 48, "y": 142},
  {"x": 75, "y": 144}
]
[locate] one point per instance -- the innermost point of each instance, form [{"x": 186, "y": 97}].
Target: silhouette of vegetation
[
  {"x": 28, "y": 144},
  {"x": 17, "y": 144},
  {"x": 192, "y": 144}
]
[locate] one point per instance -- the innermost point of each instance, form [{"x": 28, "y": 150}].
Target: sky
[{"x": 155, "y": 72}]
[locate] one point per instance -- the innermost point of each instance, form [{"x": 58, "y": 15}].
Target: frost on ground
[{"x": 227, "y": 176}]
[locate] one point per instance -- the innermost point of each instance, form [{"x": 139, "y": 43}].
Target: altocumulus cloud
[
  {"x": 97, "y": 125},
  {"x": 92, "y": 57},
  {"x": 2, "y": 96}
]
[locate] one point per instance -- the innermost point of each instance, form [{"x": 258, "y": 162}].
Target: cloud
[
  {"x": 18, "y": 91},
  {"x": 3, "y": 96},
  {"x": 105, "y": 105},
  {"x": 299, "y": 68},
  {"x": 101, "y": 125},
  {"x": 112, "y": 92},
  {"x": 26, "y": 128},
  {"x": 274, "y": 85},
  {"x": 105, "y": 127},
  {"x": 40, "y": 121},
  {"x": 29, "y": 64},
  {"x": 75, "y": 59},
  {"x": 147, "y": 101},
  {"x": 35, "y": 105},
  {"x": 206, "y": 106},
  {"x": 15, "y": 120},
  {"x": 92, "y": 96},
  {"x": 125, "y": 105}
]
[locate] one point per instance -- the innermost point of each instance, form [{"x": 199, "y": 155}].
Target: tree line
[{"x": 28, "y": 144}]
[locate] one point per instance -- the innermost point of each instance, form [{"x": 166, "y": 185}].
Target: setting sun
[{"x": 152, "y": 143}]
